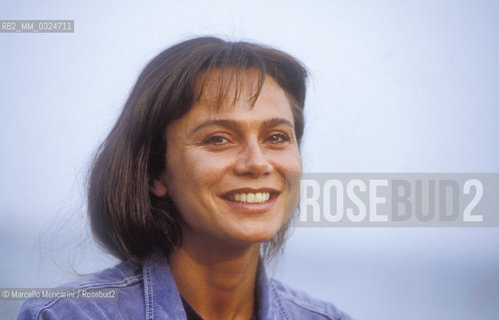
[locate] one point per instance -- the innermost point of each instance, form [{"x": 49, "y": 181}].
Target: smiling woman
[
  {"x": 223, "y": 160},
  {"x": 192, "y": 190}
]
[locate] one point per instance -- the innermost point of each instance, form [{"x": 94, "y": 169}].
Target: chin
[{"x": 256, "y": 235}]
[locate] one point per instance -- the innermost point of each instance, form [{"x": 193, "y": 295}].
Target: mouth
[{"x": 259, "y": 196}]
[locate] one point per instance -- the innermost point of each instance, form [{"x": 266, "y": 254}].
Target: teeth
[
  {"x": 258, "y": 197},
  {"x": 251, "y": 197}
]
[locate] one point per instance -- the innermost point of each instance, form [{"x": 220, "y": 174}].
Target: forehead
[
  {"x": 235, "y": 92},
  {"x": 247, "y": 108}
]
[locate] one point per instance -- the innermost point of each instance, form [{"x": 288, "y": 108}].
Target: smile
[{"x": 250, "y": 197}]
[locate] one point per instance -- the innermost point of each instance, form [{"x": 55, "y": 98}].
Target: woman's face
[{"x": 226, "y": 168}]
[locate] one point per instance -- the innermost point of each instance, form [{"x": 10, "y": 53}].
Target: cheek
[
  {"x": 195, "y": 171},
  {"x": 290, "y": 166},
  {"x": 288, "y": 162},
  {"x": 207, "y": 167}
]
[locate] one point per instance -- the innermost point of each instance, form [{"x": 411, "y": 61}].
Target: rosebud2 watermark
[{"x": 398, "y": 200}]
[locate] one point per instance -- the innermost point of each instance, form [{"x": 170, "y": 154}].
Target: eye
[
  {"x": 216, "y": 141},
  {"x": 278, "y": 138}
]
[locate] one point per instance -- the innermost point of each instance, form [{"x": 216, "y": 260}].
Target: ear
[{"x": 158, "y": 188}]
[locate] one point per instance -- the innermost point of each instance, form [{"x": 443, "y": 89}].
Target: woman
[{"x": 194, "y": 188}]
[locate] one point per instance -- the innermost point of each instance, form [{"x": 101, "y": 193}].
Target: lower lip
[{"x": 259, "y": 207}]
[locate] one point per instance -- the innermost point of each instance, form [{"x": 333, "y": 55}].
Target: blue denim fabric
[{"x": 149, "y": 292}]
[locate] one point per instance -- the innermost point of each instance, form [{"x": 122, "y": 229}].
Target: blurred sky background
[{"x": 395, "y": 86}]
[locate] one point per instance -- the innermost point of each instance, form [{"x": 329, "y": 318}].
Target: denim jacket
[{"x": 149, "y": 292}]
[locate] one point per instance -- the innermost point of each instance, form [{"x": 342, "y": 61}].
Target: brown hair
[{"x": 126, "y": 219}]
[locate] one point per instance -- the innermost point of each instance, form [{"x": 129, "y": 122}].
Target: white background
[{"x": 396, "y": 86}]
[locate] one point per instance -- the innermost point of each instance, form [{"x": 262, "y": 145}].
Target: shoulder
[
  {"x": 297, "y": 303},
  {"x": 67, "y": 302}
]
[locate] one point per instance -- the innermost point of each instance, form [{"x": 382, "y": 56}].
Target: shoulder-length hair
[{"x": 125, "y": 217}]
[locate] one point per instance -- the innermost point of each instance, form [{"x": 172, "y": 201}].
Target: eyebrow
[{"x": 234, "y": 125}]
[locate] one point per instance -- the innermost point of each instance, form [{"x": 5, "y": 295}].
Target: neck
[{"x": 218, "y": 284}]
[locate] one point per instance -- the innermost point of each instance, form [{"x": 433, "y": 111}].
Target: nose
[{"x": 252, "y": 161}]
